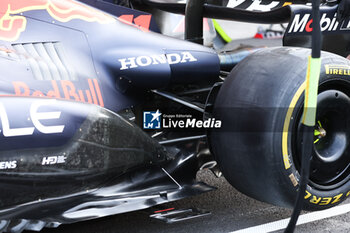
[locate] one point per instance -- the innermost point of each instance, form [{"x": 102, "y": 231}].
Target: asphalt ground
[{"x": 230, "y": 211}]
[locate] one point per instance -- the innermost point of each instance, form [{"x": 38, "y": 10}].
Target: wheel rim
[{"x": 330, "y": 163}]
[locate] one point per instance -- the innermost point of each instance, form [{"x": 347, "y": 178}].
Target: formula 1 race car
[{"x": 101, "y": 114}]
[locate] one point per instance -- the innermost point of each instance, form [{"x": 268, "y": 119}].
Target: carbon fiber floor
[{"x": 231, "y": 211}]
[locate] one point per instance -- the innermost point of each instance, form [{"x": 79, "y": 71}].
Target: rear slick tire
[{"x": 258, "y": 147}]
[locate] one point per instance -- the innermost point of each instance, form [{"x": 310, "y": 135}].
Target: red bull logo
[
  {"x": 12, "y": 23},
  {"x": 62, "y": 89}
]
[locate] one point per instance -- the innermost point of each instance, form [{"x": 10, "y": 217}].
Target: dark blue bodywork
[
  {"x": 93, "y": 51},
  {"x": 64, "y": 80}
]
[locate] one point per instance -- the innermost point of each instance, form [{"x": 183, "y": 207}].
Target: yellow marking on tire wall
[{"x": 286, "y": 125}]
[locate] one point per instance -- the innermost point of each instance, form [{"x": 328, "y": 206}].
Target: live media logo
[
  {"x": 157, "y": 120},
  {"x": 152, "y": 120}
]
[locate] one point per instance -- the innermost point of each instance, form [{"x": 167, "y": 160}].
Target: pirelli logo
[{"x": 337, "y": 69}]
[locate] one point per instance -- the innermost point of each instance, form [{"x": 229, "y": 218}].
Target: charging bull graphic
[{"x": 12, "y": 24}]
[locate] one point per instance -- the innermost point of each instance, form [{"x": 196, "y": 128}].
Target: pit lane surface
[{"x": 231, "y": 211}]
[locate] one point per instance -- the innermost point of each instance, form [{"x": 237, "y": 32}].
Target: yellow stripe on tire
[{"x": 287, "y": 123}]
